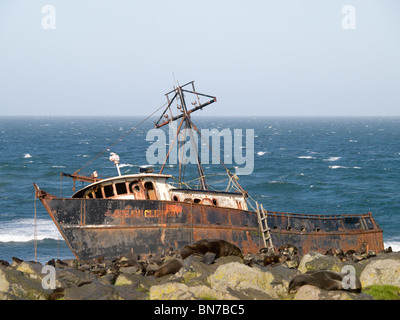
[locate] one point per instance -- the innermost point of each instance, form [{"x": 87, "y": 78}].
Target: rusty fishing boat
[{"x": 145, "y": 213}]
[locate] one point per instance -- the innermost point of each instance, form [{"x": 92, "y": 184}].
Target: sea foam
[
  {"x": 332, "y": 159},
  {"x": 22, "y": 230}
]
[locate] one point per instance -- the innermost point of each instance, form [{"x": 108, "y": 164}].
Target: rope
[
  {"x": 134, "y": 128},
  {"x": 35, "y": 230}
]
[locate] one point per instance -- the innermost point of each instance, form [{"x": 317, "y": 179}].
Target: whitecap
[
  {"x": 332, "y": 159},
  {"x": 27, "y": 155},
  {"x": 394, "y": 244},
  {"x": 261, "y": 153},
  {"x": 146, "y": 166},
  {"x": 123, "y": 165},
  {"x": 22, "y": 230},
  {"x": 341, "y": 167},
  {"x": 306, "y": 157}
]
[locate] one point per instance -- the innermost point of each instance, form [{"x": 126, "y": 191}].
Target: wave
[
  {"x": 332, "y": 159},
  {"x": 123, "y": 165},
  {"x": 261, "y": 153},
  {"x": 22, "y": 230},
  {"x": 305, "y": 157},
  {"x": 27, "y": 155},
  {"x": 341, "y": 167},
  {"x": 394, "y": 244}
]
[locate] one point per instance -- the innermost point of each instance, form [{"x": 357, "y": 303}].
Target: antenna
[
  {"x": 115, "y": 158},
  {"x": 178, "y": 93}
]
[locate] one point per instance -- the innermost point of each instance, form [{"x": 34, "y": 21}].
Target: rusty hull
[{"x": 111, "y": 227}]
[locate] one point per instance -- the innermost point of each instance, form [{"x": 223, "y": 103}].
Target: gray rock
[
  {"x": 92, "y": 291},
  {"x": 67, "y": 278},
  {"x": 308, "y": 292},
  {"x": 15, "y": 284},
  {"x": 381, "y": 272}
]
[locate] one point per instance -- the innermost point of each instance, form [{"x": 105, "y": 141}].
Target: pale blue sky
[{"x": 266, "y": 58}]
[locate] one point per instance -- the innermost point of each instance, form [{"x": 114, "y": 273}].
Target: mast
[{"x": 178, "y": 93}]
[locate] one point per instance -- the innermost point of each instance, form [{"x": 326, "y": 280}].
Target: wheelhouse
[{"x": 135, "y": 187}]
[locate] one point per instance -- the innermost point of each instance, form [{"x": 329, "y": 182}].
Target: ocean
[{"x": 309, "y": 165}]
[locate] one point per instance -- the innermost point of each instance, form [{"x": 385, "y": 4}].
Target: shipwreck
[{"x": 145, "y": 213}]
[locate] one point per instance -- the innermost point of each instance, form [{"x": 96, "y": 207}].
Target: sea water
[{"x": 301, "y": 165}]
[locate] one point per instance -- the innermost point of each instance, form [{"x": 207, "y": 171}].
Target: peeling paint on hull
[{"x": 109, "y": 227}]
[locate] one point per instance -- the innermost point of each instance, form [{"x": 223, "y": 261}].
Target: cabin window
[
  {"x": 175, "y": 198},
  {"x": 89, "y": 195},
  {"x": 150, "y": 192},
  {"x": 215, "y": 202},
  {"x": 196, "y": 200},
  {"x": 121, "y": 188},
  {"x": 98, "y": 193},
  {"x": 134, "y": 186},
  {"x": 109, "y": 191}
]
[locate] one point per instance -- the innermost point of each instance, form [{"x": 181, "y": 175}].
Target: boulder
[
  {"x": 180, "y": 291},
  {"x": 136, "y": 282},
  {"x": 92, "y": 291},
  {"x": 30, "y": 267},
  {"x": 14, "y": 284},
  {"x": 381, "y": 272},
  {"x": 238, "y": 276},
  {"x": 67, "y": 278},
  {"x": 308, "y": 292},
  {"x": 314, "y": 261}
]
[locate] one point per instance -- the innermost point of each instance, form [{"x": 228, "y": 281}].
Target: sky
[{"x": 259, "y": 58}]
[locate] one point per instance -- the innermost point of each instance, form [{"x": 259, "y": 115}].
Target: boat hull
[{"x": 112, "y": 227}]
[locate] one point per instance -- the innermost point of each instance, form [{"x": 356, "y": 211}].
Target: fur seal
[
  {"x": 275, "y": 259},
  {"x": 288, "y": 249},
  {"x": 170, "y": 267},
  {"x": 327, "y": 280},
  {"x": 219, "y": 247},
  {"x": 57, "y": 294},
  {"x": 15, "y": 259},
  {"x": 4, "y": 263}
]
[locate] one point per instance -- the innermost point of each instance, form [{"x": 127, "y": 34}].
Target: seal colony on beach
[{"x": 199, "y": 275}]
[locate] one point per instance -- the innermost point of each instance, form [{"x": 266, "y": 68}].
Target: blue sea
[{"x": 310, "y": 165}]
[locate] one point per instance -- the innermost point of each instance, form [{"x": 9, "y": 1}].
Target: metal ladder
[{"x": 263, "y": 224}]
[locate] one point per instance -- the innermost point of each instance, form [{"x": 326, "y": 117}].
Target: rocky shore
[{"x": 207, "y": 276}]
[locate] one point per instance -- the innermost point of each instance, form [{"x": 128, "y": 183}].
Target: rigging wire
[
  {"x": 134, "y": 128},
  {"x": 35, "y": 230}
]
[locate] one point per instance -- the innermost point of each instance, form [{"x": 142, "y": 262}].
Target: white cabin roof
[{"x": 127, "y": 177}]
